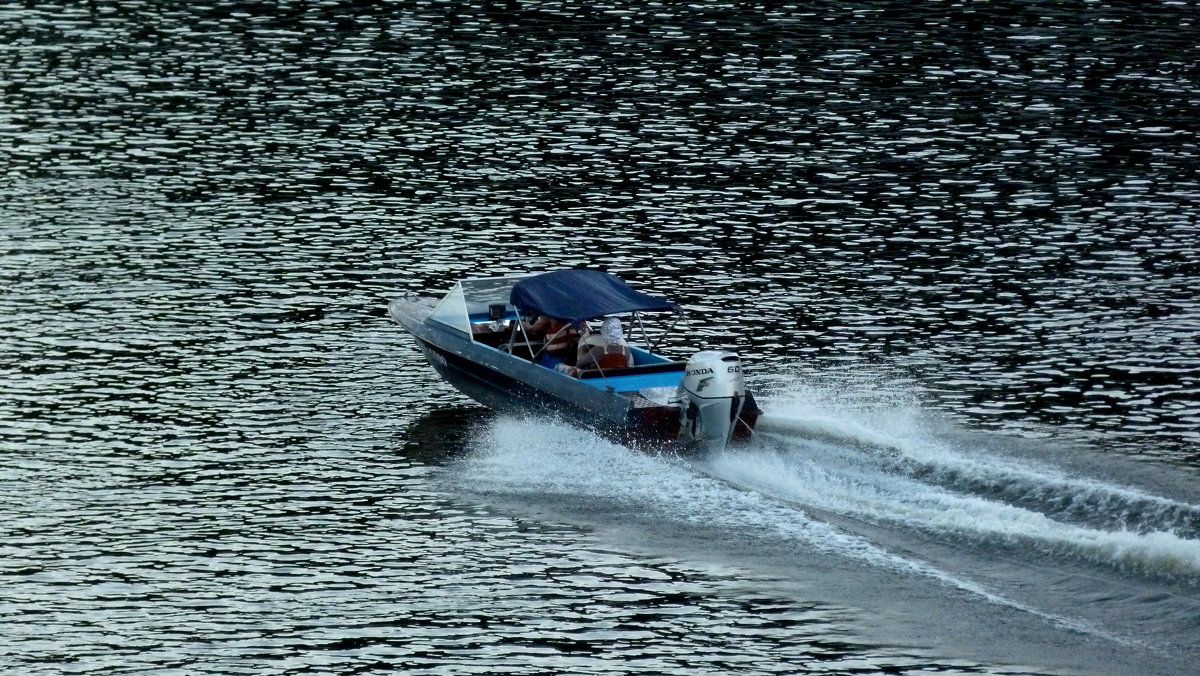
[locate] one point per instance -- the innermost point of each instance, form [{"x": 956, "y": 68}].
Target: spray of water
[
  {"x": 517, "y": 457},
  {"x": 882, "y": 465}
]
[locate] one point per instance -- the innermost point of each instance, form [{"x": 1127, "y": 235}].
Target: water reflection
[
  {"x": 206, "y": 207},
  {"x": 443, "y": 434}
]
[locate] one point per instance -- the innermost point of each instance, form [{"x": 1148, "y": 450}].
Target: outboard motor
[{"x": 711, "y": 398}]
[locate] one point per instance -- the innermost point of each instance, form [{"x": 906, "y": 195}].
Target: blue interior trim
[
  {"x": 641, "y": 356},
  {"x": 485, "y": 317},
  {"x": 637, "y": 381}
]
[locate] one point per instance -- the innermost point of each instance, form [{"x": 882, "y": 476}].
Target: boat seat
[
  {"x": 609, "y": 361},
  {"x": 523, "y": 349},
  {"x": 492, "y": 338},
  {"x": 657, "y": 367}
]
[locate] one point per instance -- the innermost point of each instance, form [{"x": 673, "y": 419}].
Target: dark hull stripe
[{"x": 502, "y": 392}]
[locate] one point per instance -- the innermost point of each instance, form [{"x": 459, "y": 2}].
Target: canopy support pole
[
  {"x": 670, "y": 330},
  {"x": 512, "y": 337}
]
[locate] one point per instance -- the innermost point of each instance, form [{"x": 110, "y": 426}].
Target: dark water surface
[{"x": 955, "y": 242}]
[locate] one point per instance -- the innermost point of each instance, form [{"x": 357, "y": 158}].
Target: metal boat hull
[{"x": 505, "y": 383}]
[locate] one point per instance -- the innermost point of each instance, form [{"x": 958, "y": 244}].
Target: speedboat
[{"x": 477, "y": 337}]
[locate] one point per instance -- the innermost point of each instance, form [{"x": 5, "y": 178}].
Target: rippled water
[{"x": 956, "y": 245}]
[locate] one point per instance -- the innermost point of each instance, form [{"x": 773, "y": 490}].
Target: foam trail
[
  {"x": 866, "y": 405},
  {"x": 1015, "y": 480},
  {"x": 520, "y": 457},
  {"x": 877, "y": 497}
]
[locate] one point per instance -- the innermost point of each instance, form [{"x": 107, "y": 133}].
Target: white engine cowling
[{"x": 711, "y": 398}]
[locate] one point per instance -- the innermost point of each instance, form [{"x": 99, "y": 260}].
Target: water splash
[
  {"x": 547, "y": 460},
  {"x": 870, "y": 454}
]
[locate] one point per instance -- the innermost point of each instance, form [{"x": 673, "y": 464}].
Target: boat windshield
[
  {"x": 480, "y": 293},
  {"x": 470, "y": 300}
]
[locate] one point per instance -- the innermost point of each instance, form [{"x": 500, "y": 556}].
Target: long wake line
[
  {"x": 727, "y": 492},
  {"x": 923, "y": 485},
  {"x": 847, "y": 544}
]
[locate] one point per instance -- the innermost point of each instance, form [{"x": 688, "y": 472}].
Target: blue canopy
[{"x": 578, "y": 295}]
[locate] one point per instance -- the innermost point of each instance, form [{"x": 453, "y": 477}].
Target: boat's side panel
[
  {"x": 504, "y": 382},
  {"x": 487, "y": 386},
  {"x": 605, "y": 412},
  {"x": 499, "y": 380}
]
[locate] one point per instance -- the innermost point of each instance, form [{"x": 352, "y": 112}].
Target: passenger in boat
[
  {"x": 560, "y": 338},
  {"x": 605, "y": 350}
]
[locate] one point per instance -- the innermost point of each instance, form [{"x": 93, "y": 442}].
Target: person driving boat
[{"x": 560, "y": 338}]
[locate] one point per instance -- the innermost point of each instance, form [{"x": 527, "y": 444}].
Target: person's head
[{"x": 611, "y": 329}]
